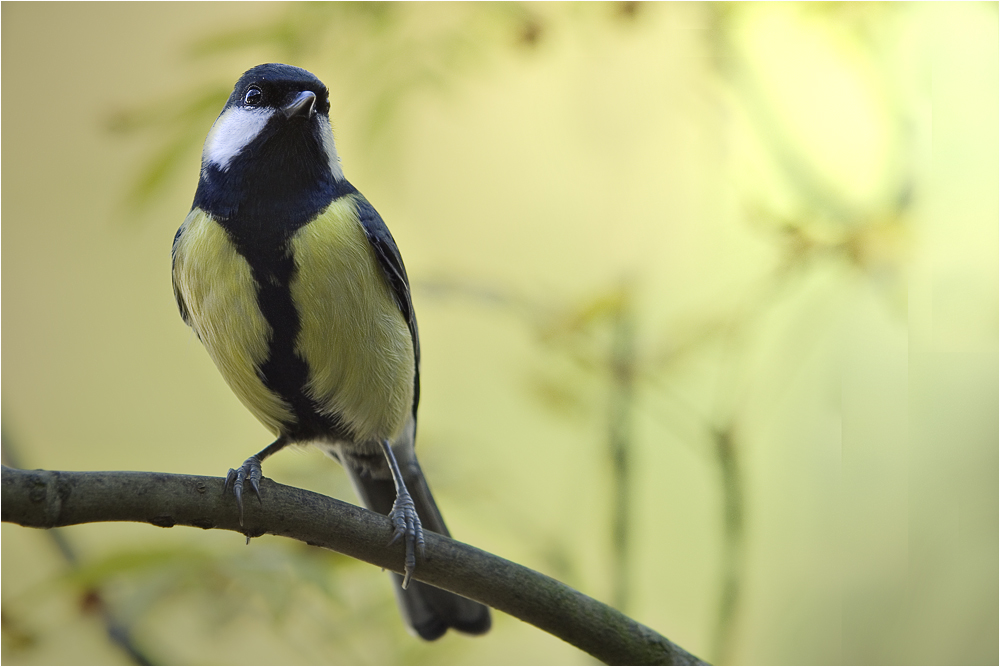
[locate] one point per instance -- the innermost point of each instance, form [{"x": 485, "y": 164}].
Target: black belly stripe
[{"x": 285, "y": 372}]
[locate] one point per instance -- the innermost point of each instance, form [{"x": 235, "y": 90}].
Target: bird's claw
[
  {"x": 250, "y": 472},
  {"x": 406, "y": 525}
]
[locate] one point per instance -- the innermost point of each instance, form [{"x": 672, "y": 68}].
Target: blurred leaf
[
  {"x": 184, "y": 127},
  {"x": 556, "y": 394},
  {"x": 15, "y": 634}
]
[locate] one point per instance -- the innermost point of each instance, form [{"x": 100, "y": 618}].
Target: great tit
[{"x": 295, "y": 286}]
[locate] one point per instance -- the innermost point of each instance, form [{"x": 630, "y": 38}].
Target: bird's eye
[{"x": 253, "y": 96}]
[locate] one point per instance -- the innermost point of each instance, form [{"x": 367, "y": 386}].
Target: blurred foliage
[{"x": 387, "y": 53}]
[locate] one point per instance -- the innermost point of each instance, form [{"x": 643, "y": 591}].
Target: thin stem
[
  {"x": 619, "y": 444},
  {"x": 732, "y": 545}
]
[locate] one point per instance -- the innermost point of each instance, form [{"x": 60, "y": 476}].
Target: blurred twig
[
  {"x": 732, "y": 550},
  {"x": 46, "y": 499},
  {"x": 623, "y": 372}
]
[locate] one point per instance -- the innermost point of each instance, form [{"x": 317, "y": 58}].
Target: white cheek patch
[
  {"x": 326, "y": 132},
  {"x": 233, "y": 130}
]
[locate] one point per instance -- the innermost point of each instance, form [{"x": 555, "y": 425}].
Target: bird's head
[{"x": 277, "y": 118}]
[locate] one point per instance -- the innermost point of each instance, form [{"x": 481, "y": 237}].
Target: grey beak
[{"x": 303, "y": 105}]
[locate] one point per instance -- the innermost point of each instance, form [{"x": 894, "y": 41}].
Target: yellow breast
[
  {"x": 220, "y": 293},
  {"x": 353, "y": 335}
]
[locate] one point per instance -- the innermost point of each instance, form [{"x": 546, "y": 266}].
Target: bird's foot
[
  {"x": 248, "y": 473},
  {"x": 406, "y": 525}
]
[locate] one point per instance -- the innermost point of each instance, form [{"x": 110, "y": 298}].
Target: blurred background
[{"x": 708, "y": 306}]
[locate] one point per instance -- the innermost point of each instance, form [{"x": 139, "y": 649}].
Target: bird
[{"x": 297, "y": 289}]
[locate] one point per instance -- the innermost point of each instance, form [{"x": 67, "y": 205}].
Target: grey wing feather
[
  {"x": 391, "y": 263},
  {"x": 185, "y": 315}
]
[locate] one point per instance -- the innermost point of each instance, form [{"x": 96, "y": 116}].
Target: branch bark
[{"x": 47, "y": 499}]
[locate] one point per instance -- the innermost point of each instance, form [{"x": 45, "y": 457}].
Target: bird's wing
[
  {"x": 177, "y": 293},
  {"x": 395, "y": 273}
]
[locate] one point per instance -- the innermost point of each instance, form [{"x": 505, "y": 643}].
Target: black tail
[{"x": 429, "y": 611}]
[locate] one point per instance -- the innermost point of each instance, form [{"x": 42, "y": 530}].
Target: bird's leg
[
  {"x": 250, "y": 472},
  {"x": 404, "y": 518}
]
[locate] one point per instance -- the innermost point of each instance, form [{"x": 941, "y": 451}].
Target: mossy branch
[{"x": 47, "y": 499}]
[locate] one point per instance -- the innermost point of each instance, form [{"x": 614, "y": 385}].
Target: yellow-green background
[{"x": 795, "y": 206}]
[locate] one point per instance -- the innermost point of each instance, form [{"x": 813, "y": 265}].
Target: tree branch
[{"x": 46, "y": 499}]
